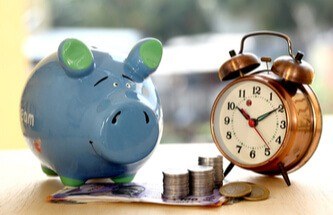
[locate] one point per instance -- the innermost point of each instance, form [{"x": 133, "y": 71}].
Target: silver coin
[
  {"x": 202, "y": 186},
  {"x": 173, "y": 197},
  {"x": 176, "y": 187},
  {"x": 175, "y": 172},
  {"x": 202, "y": 182},
  {"x": 200, "y": 194},
  {"x": 173, "y": 181},
  {"x": 202, "y": 177},
  {"x": 208, "y": 176},
  {"x": 200, "y": 169},
  {"x": 217, "y": 164},
  {"x": 202, "y": 190},
  {"x": 176, "y": 191},
  {"x": 184, "y": 193},
  {"x": 176, "y": 184},
  {"x": 209, "y": 158},
  {"x": 203, "y": 173}
]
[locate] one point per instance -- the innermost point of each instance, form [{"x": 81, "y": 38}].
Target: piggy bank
[{"x": 87, "y": 115}]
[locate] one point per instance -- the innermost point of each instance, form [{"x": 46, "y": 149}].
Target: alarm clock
[{"x": 266, "y": 120}]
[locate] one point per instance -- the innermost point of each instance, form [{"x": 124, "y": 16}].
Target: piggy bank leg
[
  {"x": 48, "y": 171},
  {"x": 123, "y": 179},
  {"x": 71, "y": 181}
]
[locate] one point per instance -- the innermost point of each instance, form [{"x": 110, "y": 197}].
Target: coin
[
  {"x": 258, "y": 193},
  {"x": 173, "y": 197},
  {"x": 175, "y": 183},
  {"x": 197, "y": 170},
  {"x": 175, "y": 173},
  {"x": 201, "y": 180},
  {"x": 217, "y": 164},
  {"x": 236, "y": 189}
]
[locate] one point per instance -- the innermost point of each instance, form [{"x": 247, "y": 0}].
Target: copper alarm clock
[{"x": 268, "y": 121}]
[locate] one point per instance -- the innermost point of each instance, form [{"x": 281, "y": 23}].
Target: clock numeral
[
  {"x": 252, "y": 154},
  {"x": 270, "y": 96},
  {"x": 267, "y": 152},
  {"x": 228, "y": 136},
  {"x": 231, "y": 106},
  {"x": 278, "y": 140},
  {"x": 241, "y": 94},
  {"x": 281, "y": 110},
  {"x": 239, "y": 148},
  {"x": 256, "y": 90},
  {"x": 226, "y": 120},
  {"x": 283, "y": 124}
]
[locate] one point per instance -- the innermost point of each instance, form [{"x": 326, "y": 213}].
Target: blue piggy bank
[{"x": 86, "y": 115}]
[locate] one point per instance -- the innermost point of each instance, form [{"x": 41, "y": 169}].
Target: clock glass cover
[{"x": 249, "y": 122}]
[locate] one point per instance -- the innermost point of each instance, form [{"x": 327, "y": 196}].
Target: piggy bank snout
[
  {"x": 116, "y": 117},
  {"x": 130, "y": 133}
]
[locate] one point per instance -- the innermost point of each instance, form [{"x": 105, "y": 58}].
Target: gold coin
[
  {"x": 258, "y": 193},
  {"x": 236, "y": 189}
]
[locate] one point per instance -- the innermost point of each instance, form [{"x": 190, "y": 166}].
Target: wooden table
[{"x": 24, "y": 187}]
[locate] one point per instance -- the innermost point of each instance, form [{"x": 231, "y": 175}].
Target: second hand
[
  {"x": 261, "y": 137},
  {"x": 252, "y": 123}
]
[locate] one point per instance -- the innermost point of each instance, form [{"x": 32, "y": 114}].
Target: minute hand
[{"x": 260, "y": 118}]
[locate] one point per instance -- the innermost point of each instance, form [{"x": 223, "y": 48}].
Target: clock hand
[
  {"x": 253, "y": 123},
  {"x": 263, "y": 116},
  {"x": 261, "y": 136},
  {"x": 243, "y": 112}
]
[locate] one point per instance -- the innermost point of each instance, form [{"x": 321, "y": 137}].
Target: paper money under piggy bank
[{"x": 86, "y": 115}]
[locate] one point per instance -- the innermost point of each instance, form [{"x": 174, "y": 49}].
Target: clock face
[{"x": 249, "y": 122}]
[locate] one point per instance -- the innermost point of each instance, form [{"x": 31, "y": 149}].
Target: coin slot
[
  {"x": 116, "y": 117},
  {"x": 146, "y": 117}
]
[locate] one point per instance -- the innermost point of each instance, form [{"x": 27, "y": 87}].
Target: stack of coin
[
  {"x": 175, "y": 184},
  {"x": 201, "y": 180},
  {"x": 217, "y": 164}
]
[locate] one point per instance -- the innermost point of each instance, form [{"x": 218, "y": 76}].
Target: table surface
[{"x": 24, "y": 188}]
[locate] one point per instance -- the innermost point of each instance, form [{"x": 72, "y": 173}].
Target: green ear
[
  {"x": 151, "y": 53},
  {"x": 143, "y": 59},
  {"x": 76, "y": 58}
]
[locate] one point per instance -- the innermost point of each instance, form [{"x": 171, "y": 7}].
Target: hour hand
[
  {"x": 263, "y": 116},
  {"x": 243, "y": 112}
]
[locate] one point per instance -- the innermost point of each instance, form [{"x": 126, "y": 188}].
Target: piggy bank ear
[
  {"x": 143, "y": 59},
  {"x": 76, "y": 58}
]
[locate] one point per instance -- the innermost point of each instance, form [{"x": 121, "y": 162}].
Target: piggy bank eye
[
  {"x": 128, "y": 85},
  {"x": 115, "y": 84}
]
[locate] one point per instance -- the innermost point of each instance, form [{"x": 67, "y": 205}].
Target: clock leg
[
  {"x": 228, "y": 169},
  {"x": 284, "y": 174}
]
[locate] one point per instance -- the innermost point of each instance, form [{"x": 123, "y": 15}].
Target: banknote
[{"x": 131, "y": 192}]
